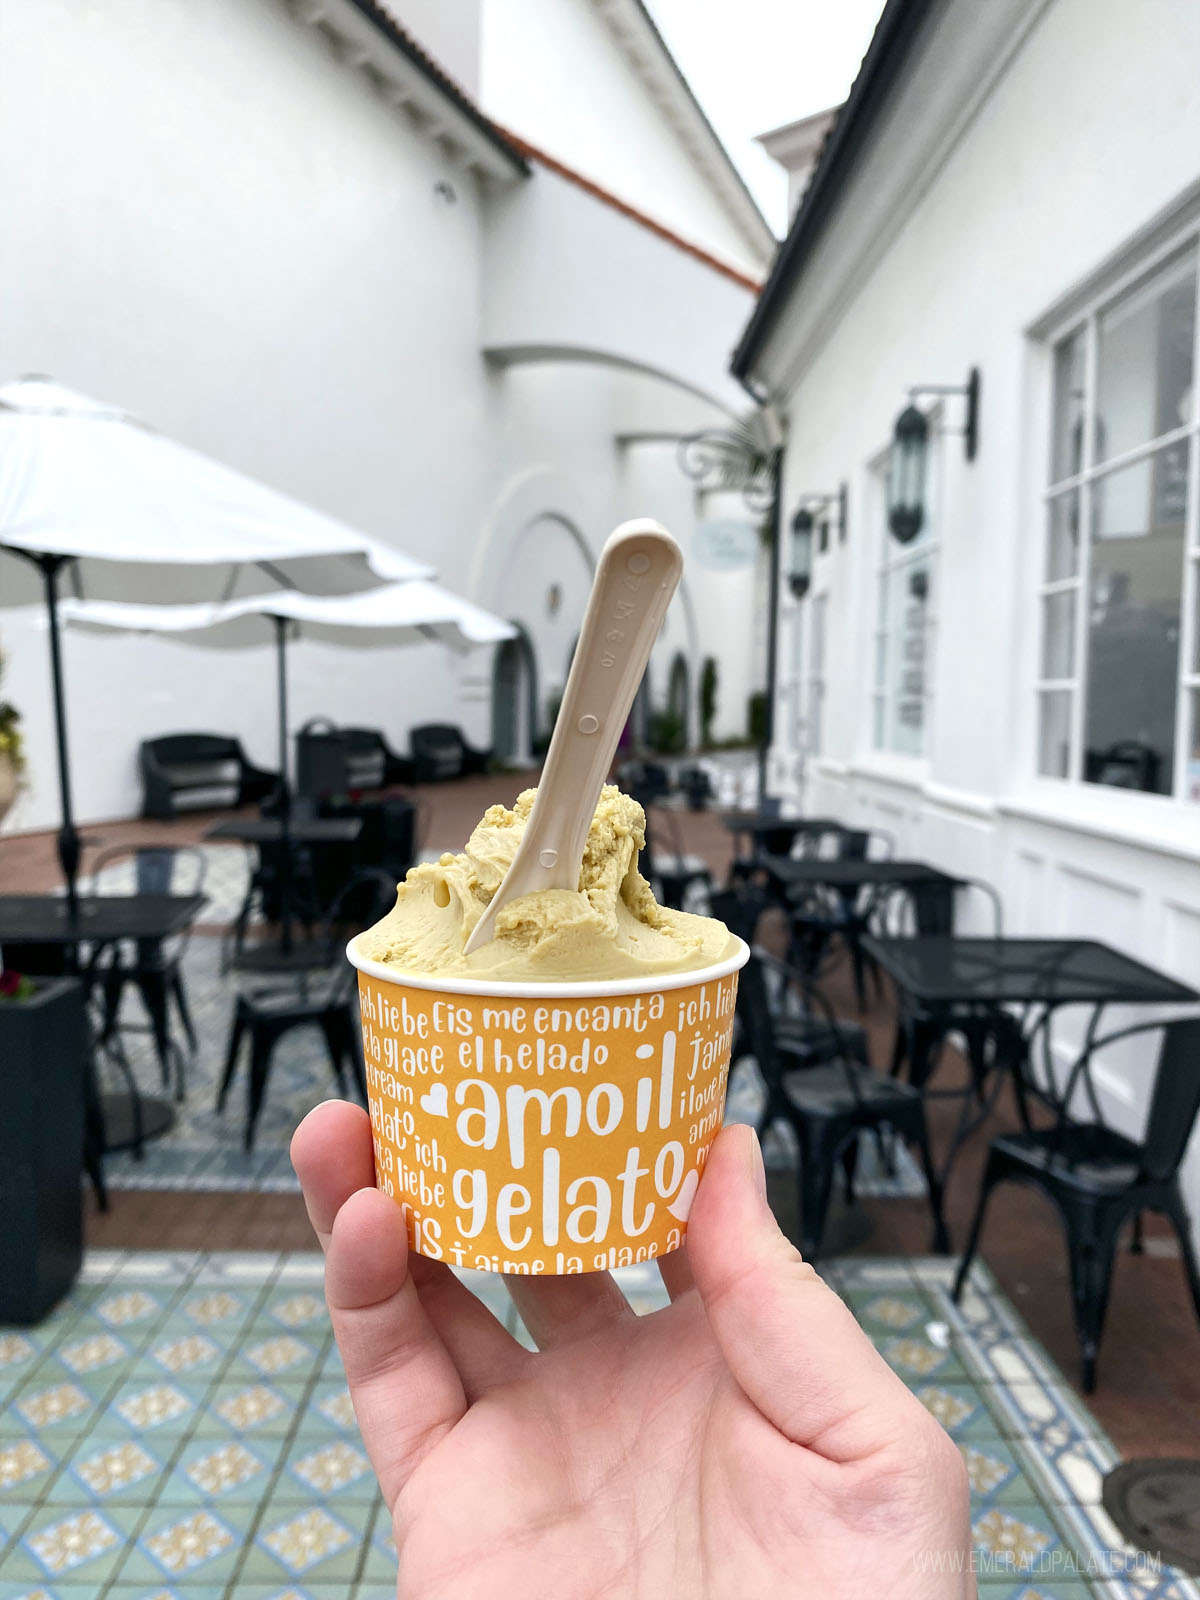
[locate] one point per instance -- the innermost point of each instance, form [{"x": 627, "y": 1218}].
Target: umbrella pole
[
  {"x": 285, "y": 792},
  {"x": 68, "y": 838}
]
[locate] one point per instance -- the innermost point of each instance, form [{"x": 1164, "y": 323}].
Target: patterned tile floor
[{"x": 180, "y": 1429}]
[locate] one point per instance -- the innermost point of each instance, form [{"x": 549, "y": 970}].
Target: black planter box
[{"x": 44, "y": 1046}]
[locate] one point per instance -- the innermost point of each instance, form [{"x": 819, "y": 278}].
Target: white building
[
  {"x": 1012, "y": 187},
  {"x": 285, "y": 236}
]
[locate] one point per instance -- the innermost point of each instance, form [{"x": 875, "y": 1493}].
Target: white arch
[
  {"x": 524, "y": 355},
  {"x": 538, "y": 491}
]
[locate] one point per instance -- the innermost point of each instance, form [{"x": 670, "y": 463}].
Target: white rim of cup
[{"x": 548, "y": 989}]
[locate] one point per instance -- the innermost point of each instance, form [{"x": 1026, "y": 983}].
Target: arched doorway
[
  {"x": 514, "y": 700},
  {"x": 679, "y": 699}
]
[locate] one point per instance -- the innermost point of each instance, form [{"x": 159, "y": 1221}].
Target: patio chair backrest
[
  {"x": 758, "y": 1027},
  {"x": 367, "y": 895},
  {"x": 157, "y": 868},
  {"x": 861, "y": 844},
  {"x": 931, "y": 910},
  {"x": 754, "y": 1014},
  {"x": 1175, "y": 1101},
  {"x": 739, "y": 910}
]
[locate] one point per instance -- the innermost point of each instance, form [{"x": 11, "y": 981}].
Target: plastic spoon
[{"x": 635, "y": 579}]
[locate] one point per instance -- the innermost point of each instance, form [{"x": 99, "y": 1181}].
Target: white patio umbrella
[
  {"x": 90, "y": 493},
  {"x": 394, "y": 614}
]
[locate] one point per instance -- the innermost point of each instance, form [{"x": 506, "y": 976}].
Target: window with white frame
[
  {"x": 815, "y": 692},
  {"x": 906, "y": 617},
  {"x": 1119, "y": 668}
]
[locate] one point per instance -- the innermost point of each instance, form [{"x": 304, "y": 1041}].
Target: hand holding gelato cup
[{"x": 546, "y": 1103}]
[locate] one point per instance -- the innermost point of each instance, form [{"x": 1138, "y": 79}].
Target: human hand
[{"x": 745, "y": 1441}]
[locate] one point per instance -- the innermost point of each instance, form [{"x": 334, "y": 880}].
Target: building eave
[
  {"x": 638, "y": 35},
  {"x": 368, "y": 38}
]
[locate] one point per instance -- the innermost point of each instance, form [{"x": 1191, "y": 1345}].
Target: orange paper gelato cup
[{"x": 545, "y": 1127}]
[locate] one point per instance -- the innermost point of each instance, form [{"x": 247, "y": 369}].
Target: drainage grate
[{"x": 1156, "y": 1505}]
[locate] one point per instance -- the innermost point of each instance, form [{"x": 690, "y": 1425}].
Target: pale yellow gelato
[{"x": 611, "y": 928}]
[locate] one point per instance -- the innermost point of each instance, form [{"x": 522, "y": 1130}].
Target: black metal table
[
  {"x": 813, "y": 872},
  {"x": 775, "y": 836},
  {"x": 270, "y": 830},
  {"x": 1056, "y": 972},
  {"x": 955, "y": 978},
  {"x": 101, "y": 921},
  {"x": 285, "y": 954}
]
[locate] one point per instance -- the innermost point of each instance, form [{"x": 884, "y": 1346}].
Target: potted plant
[
  {"x": 44, "y": 1045},
  {"x": 12, "y": 751}
]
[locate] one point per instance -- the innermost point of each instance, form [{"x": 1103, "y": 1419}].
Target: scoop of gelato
[{"x": 612, "y": 927}]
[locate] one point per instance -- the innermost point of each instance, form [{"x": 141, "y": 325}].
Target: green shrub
[{"x": 708, "y": 698}]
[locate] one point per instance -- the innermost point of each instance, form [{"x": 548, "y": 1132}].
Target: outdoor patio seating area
[{"x": 200, "y": 1167}]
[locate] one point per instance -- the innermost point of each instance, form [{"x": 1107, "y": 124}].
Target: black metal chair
[
  {"x": 808, "y": 1037},
  {"x": 323, "y": 995},
  {"x": 992, "y": 1036},
  {"x": 154, "y": 967},
  {"x": 1098, "y": 1179},
  {"x": 828, "y": 1107},
  {"x": 199, "y": 771},
  {"x": 372, "y": 761},
  {"x": 819, "y": 914},
  {"x": 279, "y": 870},
  {"x": 439, "y": 751}
]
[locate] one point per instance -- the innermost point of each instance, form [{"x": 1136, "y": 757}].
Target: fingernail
[{"x": 753, "y": 1157}]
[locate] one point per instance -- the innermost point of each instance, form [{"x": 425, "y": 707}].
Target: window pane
[
  {"x": 911, "y": 599},
  {"x": 1146, "y": 346},
  {"x": 1058, "y": 635},
  {"x": 881, "y": 638},
  {"x": 1062, "y": 539},
  {"x": 1066, "y": 455},
  {"x": 816, "y": 687},
  {"x": 1054, "y": 733},
  {"x": 1134, "y": 624}
]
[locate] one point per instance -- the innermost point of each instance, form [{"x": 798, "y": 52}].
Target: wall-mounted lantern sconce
[
  {"x": 803, "y": 524},
  {"x": 800, "y": 571},
  {"x": 910, "y": 455}
]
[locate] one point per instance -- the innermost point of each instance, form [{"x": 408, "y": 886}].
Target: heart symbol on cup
[
  {"x": 681, "y": 1206},
  {"x": 435, "y": 1102}
]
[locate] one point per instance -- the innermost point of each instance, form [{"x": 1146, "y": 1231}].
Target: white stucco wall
[
  {"x": 608, "y": 128},
  {"x": 213, "y": 221},
  {"x": 1088, "y": 133},
  {"x": 607, "y": 287}
]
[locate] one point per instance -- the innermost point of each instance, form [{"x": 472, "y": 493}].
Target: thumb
[{"x": 792, "y": 1346}]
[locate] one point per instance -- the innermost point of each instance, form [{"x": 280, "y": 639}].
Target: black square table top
[
  {"x": 953, "y": 970},
  {"x": 754, "y": 822},
  {"x": 269, "y": 830},
  {"x": 811, "y": 871},
  {"x": 102, "y": 918}
]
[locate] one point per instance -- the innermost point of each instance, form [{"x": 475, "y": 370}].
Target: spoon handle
[{"x": 636, "y": 576}]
